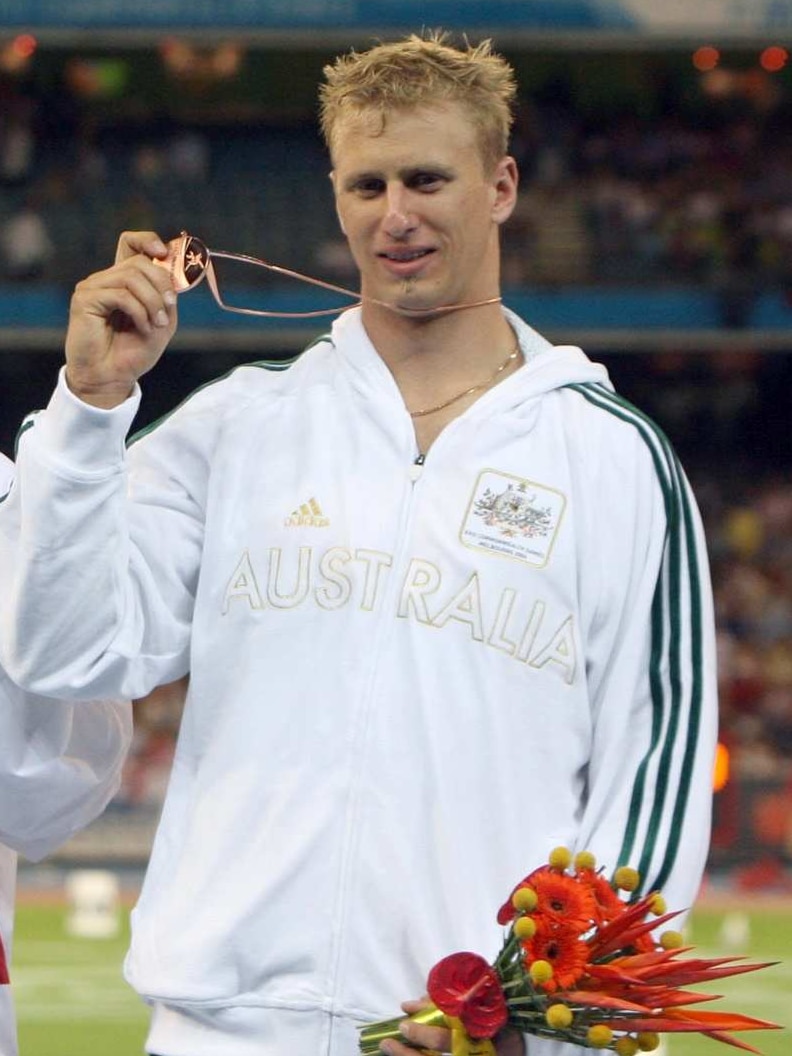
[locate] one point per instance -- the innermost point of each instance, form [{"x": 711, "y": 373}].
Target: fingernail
[
  {"x": 169, "y": 297},
  {"x": 386, "y": 1046},
  {"x": 161, "y": 318},
  {"x": 157, "y": 247}
]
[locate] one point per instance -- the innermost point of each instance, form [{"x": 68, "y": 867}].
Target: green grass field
[{"x": 72, "y": 1001}]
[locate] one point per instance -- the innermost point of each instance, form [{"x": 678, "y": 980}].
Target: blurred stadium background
[{"x": 654, "y": 228}]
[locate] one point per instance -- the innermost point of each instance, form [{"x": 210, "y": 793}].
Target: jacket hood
[
  {"x": 546, "y": 367},
  {"x": 549, "y": 366}
]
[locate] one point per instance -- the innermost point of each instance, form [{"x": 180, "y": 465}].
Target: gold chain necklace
[{"x": 473, "y": 388}]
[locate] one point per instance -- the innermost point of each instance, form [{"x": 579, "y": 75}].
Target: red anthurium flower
[
  {"x": 464, "y": 985},
  {"x": 4, "y": 980}
]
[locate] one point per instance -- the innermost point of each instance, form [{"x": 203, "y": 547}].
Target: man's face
[{"x": 418, "y": 207}]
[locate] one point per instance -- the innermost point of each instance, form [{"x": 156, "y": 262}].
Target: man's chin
[{"x": 414, "y": 299}]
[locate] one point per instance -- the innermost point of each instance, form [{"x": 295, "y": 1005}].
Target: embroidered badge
[{"x": 514, "y": 517}]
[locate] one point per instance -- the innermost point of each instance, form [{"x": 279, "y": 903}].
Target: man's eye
[
  {"x": 368, "y": 188},
  {"x": 426, "y": 181}
]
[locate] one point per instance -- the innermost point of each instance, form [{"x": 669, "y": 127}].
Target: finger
[
  {"x": 121, "y": 309},
  {"x": 395, "y": 1048},
  {"x": 137, "y": 288},
  {"x": 151, "y": 285},
  {"x": 426, "y": 1037},
  {"x": 149, "y": 243},
  {"x": 416, "y": 1005},
  {"x": 123, "y": 312}
]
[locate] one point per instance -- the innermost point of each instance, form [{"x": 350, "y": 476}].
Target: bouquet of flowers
[{"x": 578, "y": 964}]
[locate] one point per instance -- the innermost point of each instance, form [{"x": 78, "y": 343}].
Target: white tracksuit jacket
[
  {"x": 408, "y": 683},
  {"x": 60, "y": 763}
]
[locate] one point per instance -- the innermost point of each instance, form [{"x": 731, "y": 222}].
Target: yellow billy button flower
[
  {"x": 648, "y": 1041},
  {"x": 672, "y": 940},
  {"x": 525, "y": 900},
  {"x": 599, "y": 1036},
  {"x": 658, "y": 904},
  {"x": 541, "y": 972},
  {"x": 585, "y": 860},
  {"x": 559, "y": 1017},
  {"x": 626, "y": 878},
  {"x": 560, "y": 858},
  {"x": 524, "y": 927},
  {"x": 626, "y": 1046}
]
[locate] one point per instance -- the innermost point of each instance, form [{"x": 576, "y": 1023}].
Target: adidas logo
[{"x": 307, "y": 515}]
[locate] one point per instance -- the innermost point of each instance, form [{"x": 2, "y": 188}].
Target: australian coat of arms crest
[{"x": 514, "y": 517}]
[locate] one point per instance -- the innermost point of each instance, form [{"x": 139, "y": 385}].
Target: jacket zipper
[{"x": 360, "y": 736}]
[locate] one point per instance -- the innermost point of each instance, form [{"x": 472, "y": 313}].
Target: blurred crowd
[
  {"x": 669, "y": 200},
  {"x": 684, "y": 197},
  {"x": 750, "y": 538}
]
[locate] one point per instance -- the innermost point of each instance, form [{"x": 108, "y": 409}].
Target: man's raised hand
[{"x": 120, "y": 322}]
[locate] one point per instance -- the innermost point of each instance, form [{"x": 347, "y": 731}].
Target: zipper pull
[{"x": 416, "y": 467}]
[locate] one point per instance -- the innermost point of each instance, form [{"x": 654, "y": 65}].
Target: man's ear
[
  {"x": 505, "y": 181},
  {"x": 332, "y": 176}
]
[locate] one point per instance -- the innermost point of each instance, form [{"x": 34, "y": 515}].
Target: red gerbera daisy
[
  {"x": 563, "y": 899},
  {"x": 561, "y": 947},
  {"x": 607, "y": 903}
]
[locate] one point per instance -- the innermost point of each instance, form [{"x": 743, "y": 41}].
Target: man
[
  {"x": 442, "y": 595},
  {"x": 59, "y": 765}
]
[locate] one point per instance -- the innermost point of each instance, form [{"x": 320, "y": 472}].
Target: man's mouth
[{"x": 405, "y": 256}]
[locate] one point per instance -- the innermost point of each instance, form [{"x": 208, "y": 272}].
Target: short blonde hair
[{"x": 423, "y": 71}]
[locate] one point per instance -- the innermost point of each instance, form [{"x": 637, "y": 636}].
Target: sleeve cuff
[{"x": 88, "y": 439}]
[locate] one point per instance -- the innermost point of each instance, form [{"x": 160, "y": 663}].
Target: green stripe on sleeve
[{"x": 667, "y": 630}]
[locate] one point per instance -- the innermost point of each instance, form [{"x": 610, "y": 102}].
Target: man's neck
[{"x": 436, "y": 361}]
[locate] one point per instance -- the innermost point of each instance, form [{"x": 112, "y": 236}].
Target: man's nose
[{"x": 398, "y": 220}]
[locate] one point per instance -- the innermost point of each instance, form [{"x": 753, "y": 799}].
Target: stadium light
[
  {"x": 774, "y": 59},
  {"x": 720, "y": 774},
  {"x": 706, "y": 58},
  {"x": 16, "y": 55}
]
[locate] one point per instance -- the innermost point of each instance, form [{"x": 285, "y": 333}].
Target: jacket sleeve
[
  {"x": 60, "y": 764},
  {"x": 98, "y": 583},
  {"x": 651, "y": 672}
]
